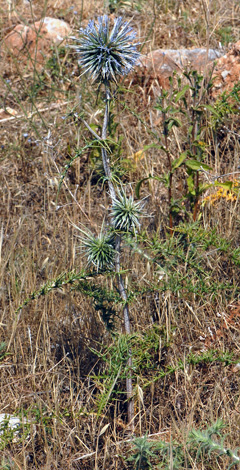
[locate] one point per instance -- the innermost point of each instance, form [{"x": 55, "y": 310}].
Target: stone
[
  {"x": 227, "y": 71},
  {"x": 9, "y": 421},
  {"x": 196, "y": 59},
  {"x": 31, "y": 44},
  {"x": 156, "y": 67},
  {"x": 7, "y": 113},
  {"x": 161, "y": 64},
  {"x": 14, "y": 424}
]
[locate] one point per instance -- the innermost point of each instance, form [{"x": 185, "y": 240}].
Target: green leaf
[
  {"x": 181, "y": 93},
  {"x": 139, "y": 184},
  {"x": 150, "y": 146},
  {"x": 212, "y": 110},
  {"x": 206, "y": 167},
  {"x": 176, "y": 163},
  {"x": 174, "y": 122},
  {"x": 227, "y": 185},
  {"x": 190, "y": 183},
  {"x": 195, "y": 165},
  {"x": 203, "y": 187},
  {"x": 94, "y": 127}
]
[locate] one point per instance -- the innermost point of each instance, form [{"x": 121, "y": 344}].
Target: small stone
[{"x": 225, "y": 73}]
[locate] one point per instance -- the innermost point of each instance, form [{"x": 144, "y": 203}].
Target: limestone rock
[
  {"x": 31, "y": 44},
  {"x": 227, "y": 71},
  {"x": 159, "y": 65},
  {"x": 156, "y": 67}
]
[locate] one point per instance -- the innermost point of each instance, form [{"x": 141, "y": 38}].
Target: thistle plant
[
  {"x": 200, "y": 444},
  {"x": 126, "y": 213},
  {"x": 106, "y": 55},
  {"x": 208, "y": 444}
]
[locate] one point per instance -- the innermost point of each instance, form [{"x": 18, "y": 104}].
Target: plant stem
[
  {"x": 105, "y": 158},
  {"x": 129, "y": 387},
  {"x": 165, "y": 132},
  {"x": 194, "y": 137},
  {"x": 122, "y": 290}
]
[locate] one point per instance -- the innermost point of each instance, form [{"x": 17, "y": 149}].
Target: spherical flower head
[
  {"x": 126, "y": 213},
  {"x": 106, "y": 55},
  {"x": 99, "y": 250}
]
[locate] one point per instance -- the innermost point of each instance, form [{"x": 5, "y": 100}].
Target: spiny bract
[
  {"x": 104, "y": 54},
  {"x": 126, "y": 213}
]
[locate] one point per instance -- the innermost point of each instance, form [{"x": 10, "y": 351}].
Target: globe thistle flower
[
  {"x": 104, "y": 54},
  {"x": 126, "y": 213},
  {"x": 99, "y": 249}
]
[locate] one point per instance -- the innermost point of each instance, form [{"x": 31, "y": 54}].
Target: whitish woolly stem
[
  {"x": 107, "y": 169},
  {"x": 105, "y": 158},
  {"x": 129, "y": 386}
]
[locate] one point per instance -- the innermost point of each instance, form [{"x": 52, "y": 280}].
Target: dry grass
[{"x": 50, "y": 372}]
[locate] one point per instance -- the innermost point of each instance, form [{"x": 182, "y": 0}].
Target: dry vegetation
[{"x": 60, "y": 367}]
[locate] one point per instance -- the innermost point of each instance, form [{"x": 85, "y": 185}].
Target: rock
[
  {"x": 7, "y": 113},
  {"x": 9, "y": 421},
  {"x": 14, "y": 424},
  {"x": 194, "y": 58},
  {"x": 227, "y": 71},
  {"x": 159, "y": 65},
  {"x": 156, "y": 68},
  {"x": 31, "y": 44}
]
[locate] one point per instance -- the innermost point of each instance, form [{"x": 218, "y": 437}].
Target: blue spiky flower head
[{"x": 107, "y": 54}]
